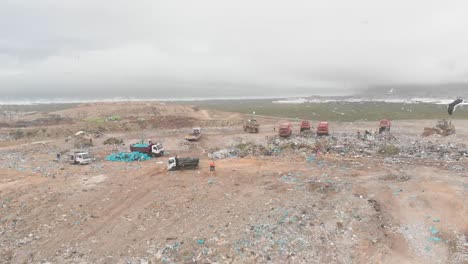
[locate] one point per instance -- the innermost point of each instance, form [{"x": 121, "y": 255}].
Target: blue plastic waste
[
  {"x": 311, "y": 158},
  {"x": 128, "y": 156},
  {"x": 140, "y": 145}
]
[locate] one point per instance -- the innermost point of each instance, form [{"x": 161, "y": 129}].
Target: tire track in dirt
[{"x": 146, "y": 185}]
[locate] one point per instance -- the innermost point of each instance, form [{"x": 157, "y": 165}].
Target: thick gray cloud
[{"x": 227, "y": 48}]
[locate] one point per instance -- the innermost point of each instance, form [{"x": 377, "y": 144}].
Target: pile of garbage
[
  {"x": 349, "y": 144},
  {"x": 252, "y": 149},
  {"x": 224, "y": 153},
  {"x": 128, "y": 156},
  {"x": 241, "y": 150},
  {"x": 113, "y": 141},
  {"x": 82, "y": 142}
]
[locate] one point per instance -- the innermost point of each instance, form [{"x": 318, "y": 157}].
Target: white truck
[{"x": 80, "y": 157}]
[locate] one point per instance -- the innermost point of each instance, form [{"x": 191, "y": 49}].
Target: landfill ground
[{"x": 337, "y": 199}]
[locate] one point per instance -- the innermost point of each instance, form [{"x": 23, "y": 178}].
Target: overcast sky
[{"x": 172, "y": 48}]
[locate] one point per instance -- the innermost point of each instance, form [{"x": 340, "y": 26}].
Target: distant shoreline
[
  {"x": 122, "y": 99},
  {"x": 274, "y": 99}
]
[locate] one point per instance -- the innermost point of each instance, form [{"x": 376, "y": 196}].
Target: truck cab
[
  {"x": 322, "y": 129},
  {"x": 285, "y": 130},
  {"x": 305, "y": 125},
  {"x": 80, "y": 158},
  {"x": 196, "y": 131},
  {"x": 175, "y": 163},
  {"x": 384, "y": 125},
  {"x": 171, "y": 163},
  {"x": 157, "y": 150}
]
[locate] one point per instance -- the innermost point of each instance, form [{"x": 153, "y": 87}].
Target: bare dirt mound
[{"x": 141, "y": 109}]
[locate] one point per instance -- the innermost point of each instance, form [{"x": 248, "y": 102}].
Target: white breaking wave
[
  {"x": 28, "y": 101},
  {"x": 364, "y": 100},
  {"x": 295, "y": 100}
]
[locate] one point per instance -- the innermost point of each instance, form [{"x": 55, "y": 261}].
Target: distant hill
[{"x": 416, "y": 90}]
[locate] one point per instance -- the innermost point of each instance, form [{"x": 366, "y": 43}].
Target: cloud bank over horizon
[{"x": 212, "y": 48}]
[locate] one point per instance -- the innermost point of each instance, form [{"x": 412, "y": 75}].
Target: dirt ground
[{"x": 264, "y": 209}]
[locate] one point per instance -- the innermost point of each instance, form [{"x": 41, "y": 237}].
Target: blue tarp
[{"x": 128, "y": 156}]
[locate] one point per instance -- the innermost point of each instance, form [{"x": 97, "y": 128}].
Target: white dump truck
[{"x": 80, "y": 157}]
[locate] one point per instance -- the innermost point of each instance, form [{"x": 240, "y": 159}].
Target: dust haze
[{"x": 170, "y": 49}]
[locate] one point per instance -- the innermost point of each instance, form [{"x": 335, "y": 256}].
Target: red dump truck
[
  {"x": 384, "y": 125},
  {"x": 285, "y": 129},
  {"x": 155, "y": 150},
  {"x": 305, "y": 125},
  {"x": 322, "y": 129}
]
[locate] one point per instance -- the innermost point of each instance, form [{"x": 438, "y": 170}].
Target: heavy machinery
[
  {"x": 251, "y": 126},
  {"x": 285, "y": 129},
  {"x": 175, "y": 163},
  {"x": 384, "y": 125},
  {"x": 322, "y": 129},
  {"x": 305, "y": 125},
  {"x": 152, "y": 149},
  {"x": 443, "y": 128},
  {"x": 195, "y": 135},
  {"x": 80, "y": 157}
]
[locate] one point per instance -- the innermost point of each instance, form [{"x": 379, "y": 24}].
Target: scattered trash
[
  {"x": 436, "y": 220},
  {"x": 201, "y": 241},
  {"x": 283, "y": 217},
  {"x": 435, "y": 239},
  {"x": 433, "y": 230}
]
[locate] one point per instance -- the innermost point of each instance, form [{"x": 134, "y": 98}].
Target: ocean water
[{"x": 275, "y": 99}]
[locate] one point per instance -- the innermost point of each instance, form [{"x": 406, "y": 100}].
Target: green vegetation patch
[
  {"x": 335, "y": 111},
  {"x": 389, "y": 150}
]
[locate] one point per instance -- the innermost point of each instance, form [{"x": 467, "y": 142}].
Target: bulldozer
[
  {"x": 251, "y": 126},
  {"x": 442, "y": 127}
]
